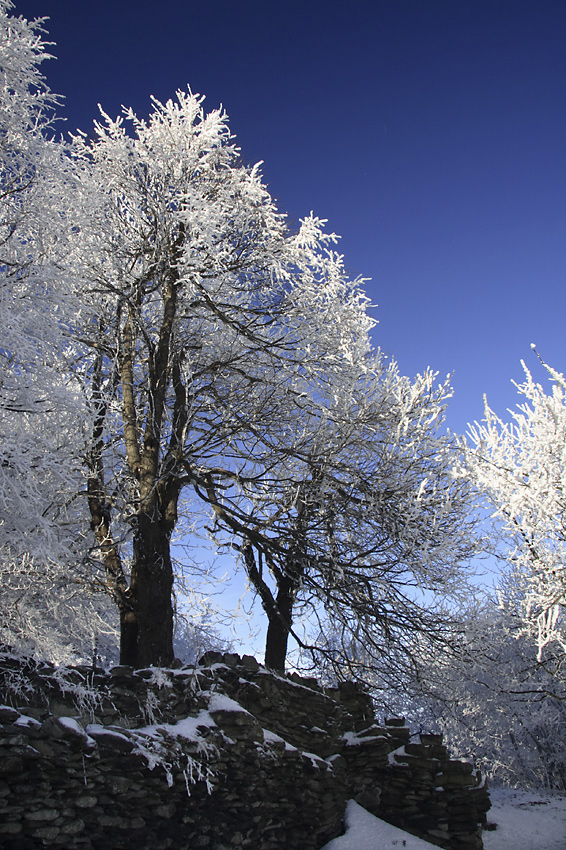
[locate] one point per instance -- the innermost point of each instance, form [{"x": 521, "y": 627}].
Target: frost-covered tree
[
  {"x": 26, "y": 110},
  {"x": 493, "y": 698},
  {"x": 188, "y": 355},
  {"x": 501, "y": 695},
  {"x": 364, "y": 530},
  {"x": 26, "y": 106},
  {"x": 499, "y": 690},
  {"x": 521, "y": 468},
  {"x": 202, "y": 344},
  {"x": 45, "y": 586}
]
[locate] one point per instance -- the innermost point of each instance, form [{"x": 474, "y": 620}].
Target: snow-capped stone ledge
[{"x": 225, "y": 754}]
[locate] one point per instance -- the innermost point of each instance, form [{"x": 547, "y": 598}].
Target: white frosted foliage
[{"x": 521, "y": 467}]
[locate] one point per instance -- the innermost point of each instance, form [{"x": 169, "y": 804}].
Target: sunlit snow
[
  {"x": 525, "y": 820},
  {"x": 366, "y": 832}
]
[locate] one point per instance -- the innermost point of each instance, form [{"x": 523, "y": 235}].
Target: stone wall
[{"x": 220, "y": 756}]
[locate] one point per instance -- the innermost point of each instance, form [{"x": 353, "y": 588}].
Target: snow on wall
[{"x": 222, "y": 754}]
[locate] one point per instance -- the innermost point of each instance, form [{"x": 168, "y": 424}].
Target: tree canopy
[
  {"x": 191, "y": 343},
  {"x": 46, "y": 588},
  {"x": 521, "y": 467},
  {"x": 201, "y": 356}
]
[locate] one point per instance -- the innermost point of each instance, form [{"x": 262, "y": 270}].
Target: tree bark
[
  {"x": 128, "y": 636},
  {"x": 280, "y": 622},
  {"x": 149, "y": 640},
  {"x": 151, "y": 588}
]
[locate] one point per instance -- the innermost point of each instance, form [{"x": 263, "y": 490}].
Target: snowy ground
[{"x": 525, "y": 821}]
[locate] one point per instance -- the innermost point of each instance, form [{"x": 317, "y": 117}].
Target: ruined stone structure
[{"x": 220, "y": 756}]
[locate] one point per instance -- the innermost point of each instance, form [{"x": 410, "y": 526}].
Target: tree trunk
[
  {"x": 151, "y": 581},
  {"x": 115, "y": 579},
  {"x": 151, "y": 588},
  {"x": 280, "y": 621},
  {"x": 128, "y": 636}
]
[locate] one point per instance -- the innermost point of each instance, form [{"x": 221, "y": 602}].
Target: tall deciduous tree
[
  {"x": 191, "y": 343},
  {"x": 366, "y": 526},
  {"x": 202, "y": 343}
]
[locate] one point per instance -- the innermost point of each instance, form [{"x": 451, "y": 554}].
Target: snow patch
[
  {"x": 400, "y": 751},
  {"x": 24, "y": 720},
  {"x": 71, "y": 724},
  {"x": 274, "y": 738},
  {"x": 352, "y": 739},
  {"x": 186, "y": 728},
  {"x": 220, "y": 702},
  {"x": 366, "y": 832},
  {"x": 97, "y": 729}
]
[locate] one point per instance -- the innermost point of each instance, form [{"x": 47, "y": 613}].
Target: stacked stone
[
  {"x": 59, "y": 789},
  {"x": 365, "y": 755},
  {"x": 271, "y": 770},
  {"x": 60, "y": 786},
  {"x": 297, "y": 709},
  {"x": 428, "y": 794},
  {"x": 356, "y": 702}
]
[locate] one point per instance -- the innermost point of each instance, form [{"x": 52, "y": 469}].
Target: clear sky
[{"x": 430, "y": 133}]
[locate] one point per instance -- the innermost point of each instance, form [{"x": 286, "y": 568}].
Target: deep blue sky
[{"x": 431, "y": 134}]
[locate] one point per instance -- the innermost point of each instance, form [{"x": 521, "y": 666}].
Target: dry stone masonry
[{"x": 221, "y": 756}]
